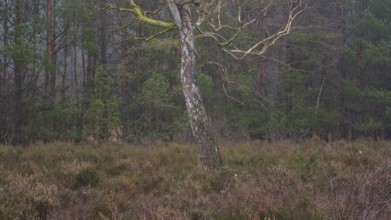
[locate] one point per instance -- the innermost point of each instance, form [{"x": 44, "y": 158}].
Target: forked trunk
[{"x": 208, "y": 154}]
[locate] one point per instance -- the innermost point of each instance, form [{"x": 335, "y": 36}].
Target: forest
[
  {"x": 195, "y": 109},
  {"x": 73, "y": 70}
]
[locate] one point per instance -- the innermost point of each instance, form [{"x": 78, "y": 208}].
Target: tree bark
[
  {"x": 103, "y": 33},
  {"x": 50, "y": 74},
  {"x": 4, "y": 80},
  {"x": 18, "y": 136},
  {"x": 64, "y": 74},
  {"x": 208, "y": 154},
  {"x": 271, "y": 69}
]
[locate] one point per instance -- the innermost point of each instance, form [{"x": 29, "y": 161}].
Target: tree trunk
[
  {"x": 270, "y": 68},
  {"x": 64, "y": 74},
  {"x": 18, "y": 136},
  {"x": 208, "y": 154},
  {"x": 359, "y": 66},
  {"x": 124, "y": 78},
  {"x": 50, "y": 77},
  {"x": 103, "y": 18},
  {"x": 4, "y": 80}
]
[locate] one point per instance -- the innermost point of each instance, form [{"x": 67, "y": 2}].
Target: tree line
[{"x": 73, "y": 70}]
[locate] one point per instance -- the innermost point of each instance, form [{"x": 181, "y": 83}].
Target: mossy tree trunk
[{"x": 208, "y": 155}]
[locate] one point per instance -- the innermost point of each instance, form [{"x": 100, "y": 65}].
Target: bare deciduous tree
[{"x": 190, "y": 17}]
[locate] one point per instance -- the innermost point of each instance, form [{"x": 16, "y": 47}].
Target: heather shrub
[
  {"x": 216, "y": 181},
  {"x": 116, "y": 170},
  {"x": 365, "y": 195},
  {"x": 68, "y": 170},
  {"x": 281, "y": 180},
  {"x": 87, "y": 177},
  {"x": 27, "y": 197},
  {"x": 74, "y": 167}
]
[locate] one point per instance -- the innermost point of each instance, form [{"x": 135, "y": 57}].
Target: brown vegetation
[{"x": 284, "y": 180}]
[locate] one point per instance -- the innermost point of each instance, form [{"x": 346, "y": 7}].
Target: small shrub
[
  {"x": 116, "y": 170},
  {"x": 27, "y": 197},
  {"x": 102, "y": 211},
  {"x": 216, "y": 181},
  {"x": 265, "y": 214},
  {"x": 87, "y": 177},
  {"x": 306, "y": 165},
  {"x": 361, "y": 195},
  {"x": 195, "y": 214}
]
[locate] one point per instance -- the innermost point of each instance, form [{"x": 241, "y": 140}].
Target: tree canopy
[{"x": 110, "y": 70}]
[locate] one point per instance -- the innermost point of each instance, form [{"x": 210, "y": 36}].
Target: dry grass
[{"x": 284, "y": 180}]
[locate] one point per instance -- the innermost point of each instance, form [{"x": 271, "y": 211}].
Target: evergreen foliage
[
  {"x": 329, "y": 78},
  {"x": 101, "y": 117}
]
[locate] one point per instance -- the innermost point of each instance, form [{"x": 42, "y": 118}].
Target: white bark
[{"x": 209, "y": 155}]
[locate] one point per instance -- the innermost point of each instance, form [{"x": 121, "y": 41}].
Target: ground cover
[{"x": 311, "y": 179}]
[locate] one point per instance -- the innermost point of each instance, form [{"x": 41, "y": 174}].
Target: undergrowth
[{"x": 284, "y": 180}]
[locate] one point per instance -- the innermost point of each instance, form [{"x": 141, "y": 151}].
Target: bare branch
[
  {"x": 206, "y": 10},
  {"x": 230, "y": 97},
  {"x": 267, "y": 42},
  {"x": 259, "y": 48},
  {"x": 136, "y": 10},
  {"x": 226, "y": 80},
  {"x": 160, "y": 33}
]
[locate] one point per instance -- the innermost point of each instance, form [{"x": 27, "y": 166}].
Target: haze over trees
[
  {"x": 74, "y": 69},
  {"x": 192, "y": 109}
]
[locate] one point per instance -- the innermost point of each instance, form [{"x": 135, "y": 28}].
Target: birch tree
[{"x": 190, "y": 17}]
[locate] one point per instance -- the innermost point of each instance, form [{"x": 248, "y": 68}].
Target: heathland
[{"x": 309, "y": 179}]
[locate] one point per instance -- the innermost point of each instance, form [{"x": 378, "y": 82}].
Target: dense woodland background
[
  {"x": 72, "y": 70},
  {"x": 300, "y": 126}
]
